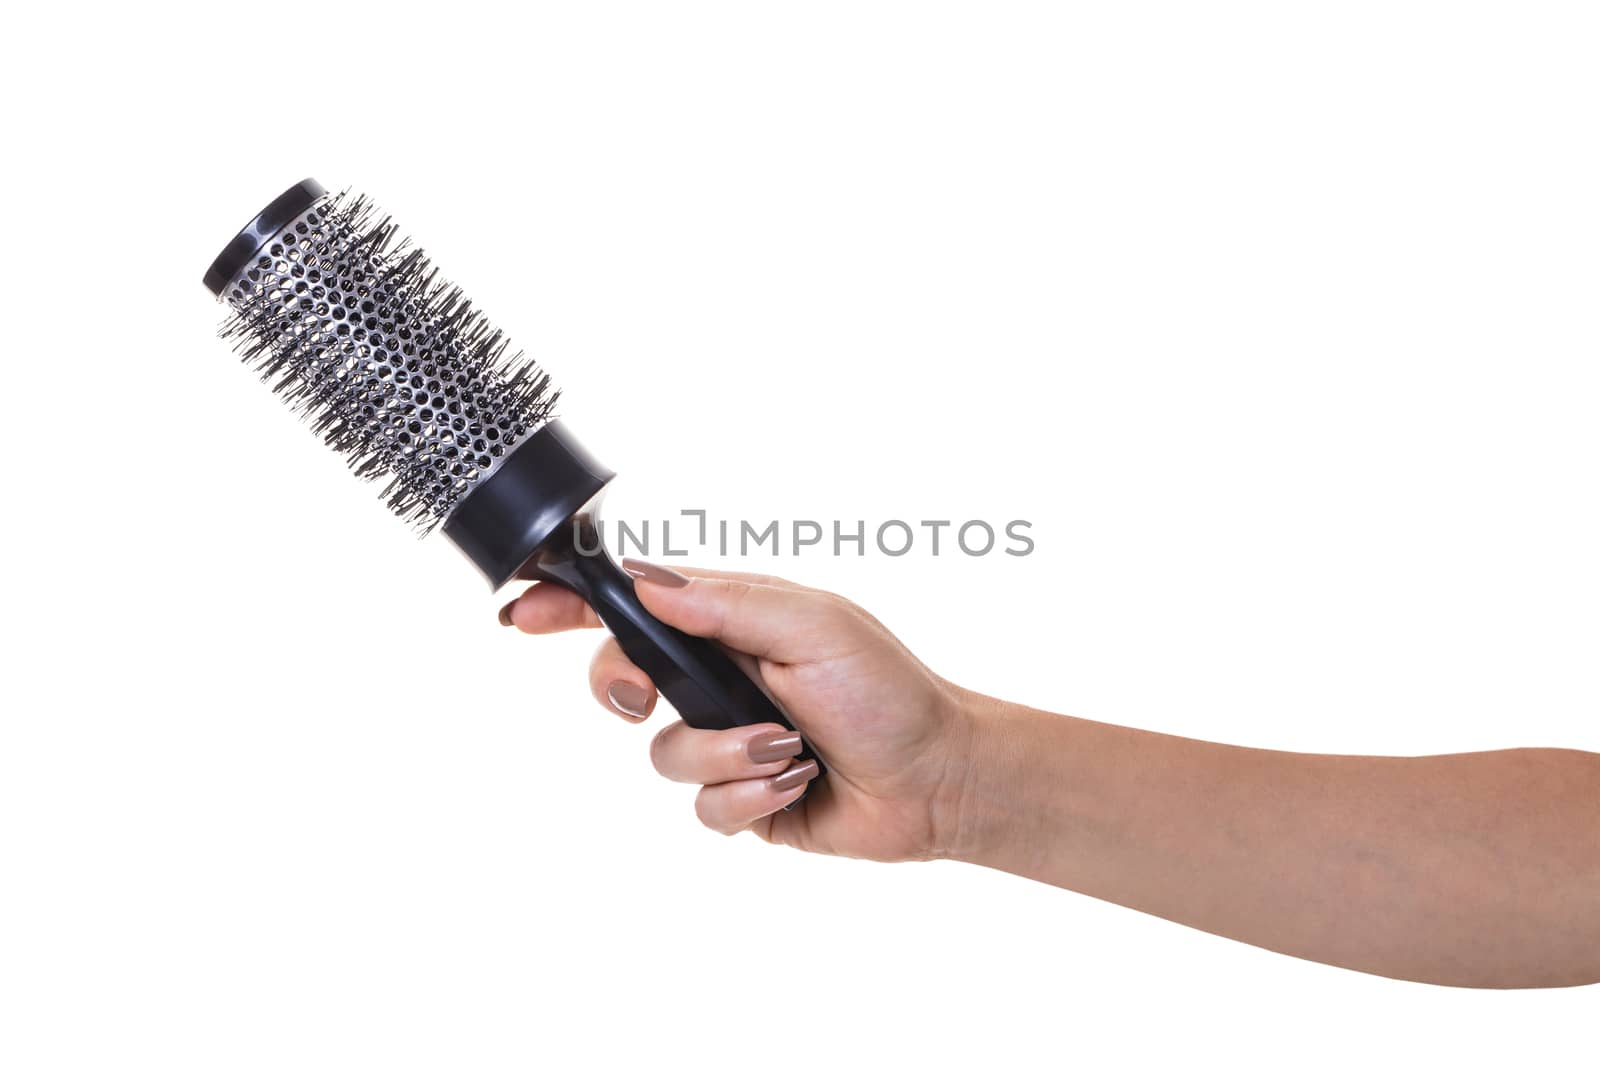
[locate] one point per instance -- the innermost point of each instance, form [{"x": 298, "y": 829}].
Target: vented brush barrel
[{"x": 394, "y": 367}]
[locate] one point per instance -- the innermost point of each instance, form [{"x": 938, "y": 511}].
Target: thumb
[{"x": 782, "y": 623}]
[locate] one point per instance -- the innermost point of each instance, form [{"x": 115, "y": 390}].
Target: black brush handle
[
  {"x": 697, "y": 675},
  {"x": 536, "y": 518},
  {"x": 700, "y": 678}
]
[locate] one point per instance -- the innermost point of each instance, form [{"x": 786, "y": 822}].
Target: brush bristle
[{"x": 390, "y": 363}]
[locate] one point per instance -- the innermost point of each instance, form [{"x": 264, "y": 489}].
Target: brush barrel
[
  {"x": 363, "y": 342},
  {"x": 535, "y": 518}
]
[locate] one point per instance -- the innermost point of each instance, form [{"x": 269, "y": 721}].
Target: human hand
[{"x": 894, "y": 734}]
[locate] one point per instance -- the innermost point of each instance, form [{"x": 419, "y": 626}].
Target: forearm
[{"x": 1474, "y": 869}]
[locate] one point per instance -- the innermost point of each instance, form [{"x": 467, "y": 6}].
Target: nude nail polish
[
  {"x": 645, "y": 571},
  {"x": 505, "y": 614},
  {"x": 631, "y": 702},
  {"x": 799, "y": 774},
  {"x": 770, "y": 748}
]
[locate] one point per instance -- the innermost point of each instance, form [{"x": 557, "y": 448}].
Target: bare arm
[{"x": 1478, "y": 869}]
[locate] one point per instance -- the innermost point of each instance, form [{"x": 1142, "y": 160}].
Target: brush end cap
[{"x": 258, "y": 231}]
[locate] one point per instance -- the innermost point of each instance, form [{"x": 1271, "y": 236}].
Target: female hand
[
  {"x": 1394, "y": 866},
  {"x": 893, "y": 733}
]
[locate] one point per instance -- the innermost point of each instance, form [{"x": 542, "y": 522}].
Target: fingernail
[
  {"x": 631, "y": 702},
  {"x": 645, "y": 571},
  {"x": 505, "y": 614},
  {"x": 770, "y": 748},
  {"x": 799, "y": 774}
]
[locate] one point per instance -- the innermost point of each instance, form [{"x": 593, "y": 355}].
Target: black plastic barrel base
[
  {"x": 537, "y": 518},
  {"x": 536, "y": 490}
]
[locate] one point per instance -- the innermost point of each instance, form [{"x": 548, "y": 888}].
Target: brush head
[{"x": 388, "y": 362}]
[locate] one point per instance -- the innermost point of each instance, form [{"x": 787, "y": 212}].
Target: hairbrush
[{"x": 392, "y": 366}]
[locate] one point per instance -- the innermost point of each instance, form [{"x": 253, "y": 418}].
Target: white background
[{"x": 1277, "y": 321}]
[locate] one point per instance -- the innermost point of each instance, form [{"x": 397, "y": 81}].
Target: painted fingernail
[
  {"x": 770, "y": 748},
  {"x": 631, "y": 702},
  {"x": 505, "y": 614},
  {"x": 645, "y": 571},
  {"x": 799, "y": 774}
]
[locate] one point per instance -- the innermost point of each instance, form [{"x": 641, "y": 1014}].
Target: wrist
[{"x": 980, "y": 809}]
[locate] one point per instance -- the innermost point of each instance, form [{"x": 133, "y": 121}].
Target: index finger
[{"x": 546, "y": 608}]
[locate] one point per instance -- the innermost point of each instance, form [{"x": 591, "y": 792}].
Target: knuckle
[
  {"x": 846, "y": 606},
  {"x": 734, "y": 595},
  {"x": 838, "y": 604},
  {"x": 658, "y": 749},
  {"x": 605, "y": 655},
  {"x": 705, "y": 809},
  {"x": 847, "y": 610}
]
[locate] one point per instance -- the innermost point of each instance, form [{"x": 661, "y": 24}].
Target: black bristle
[{"x": 390, "y": 363}]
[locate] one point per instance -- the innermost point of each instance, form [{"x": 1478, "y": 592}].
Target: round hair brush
[{"x": 393, "y": 366}]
